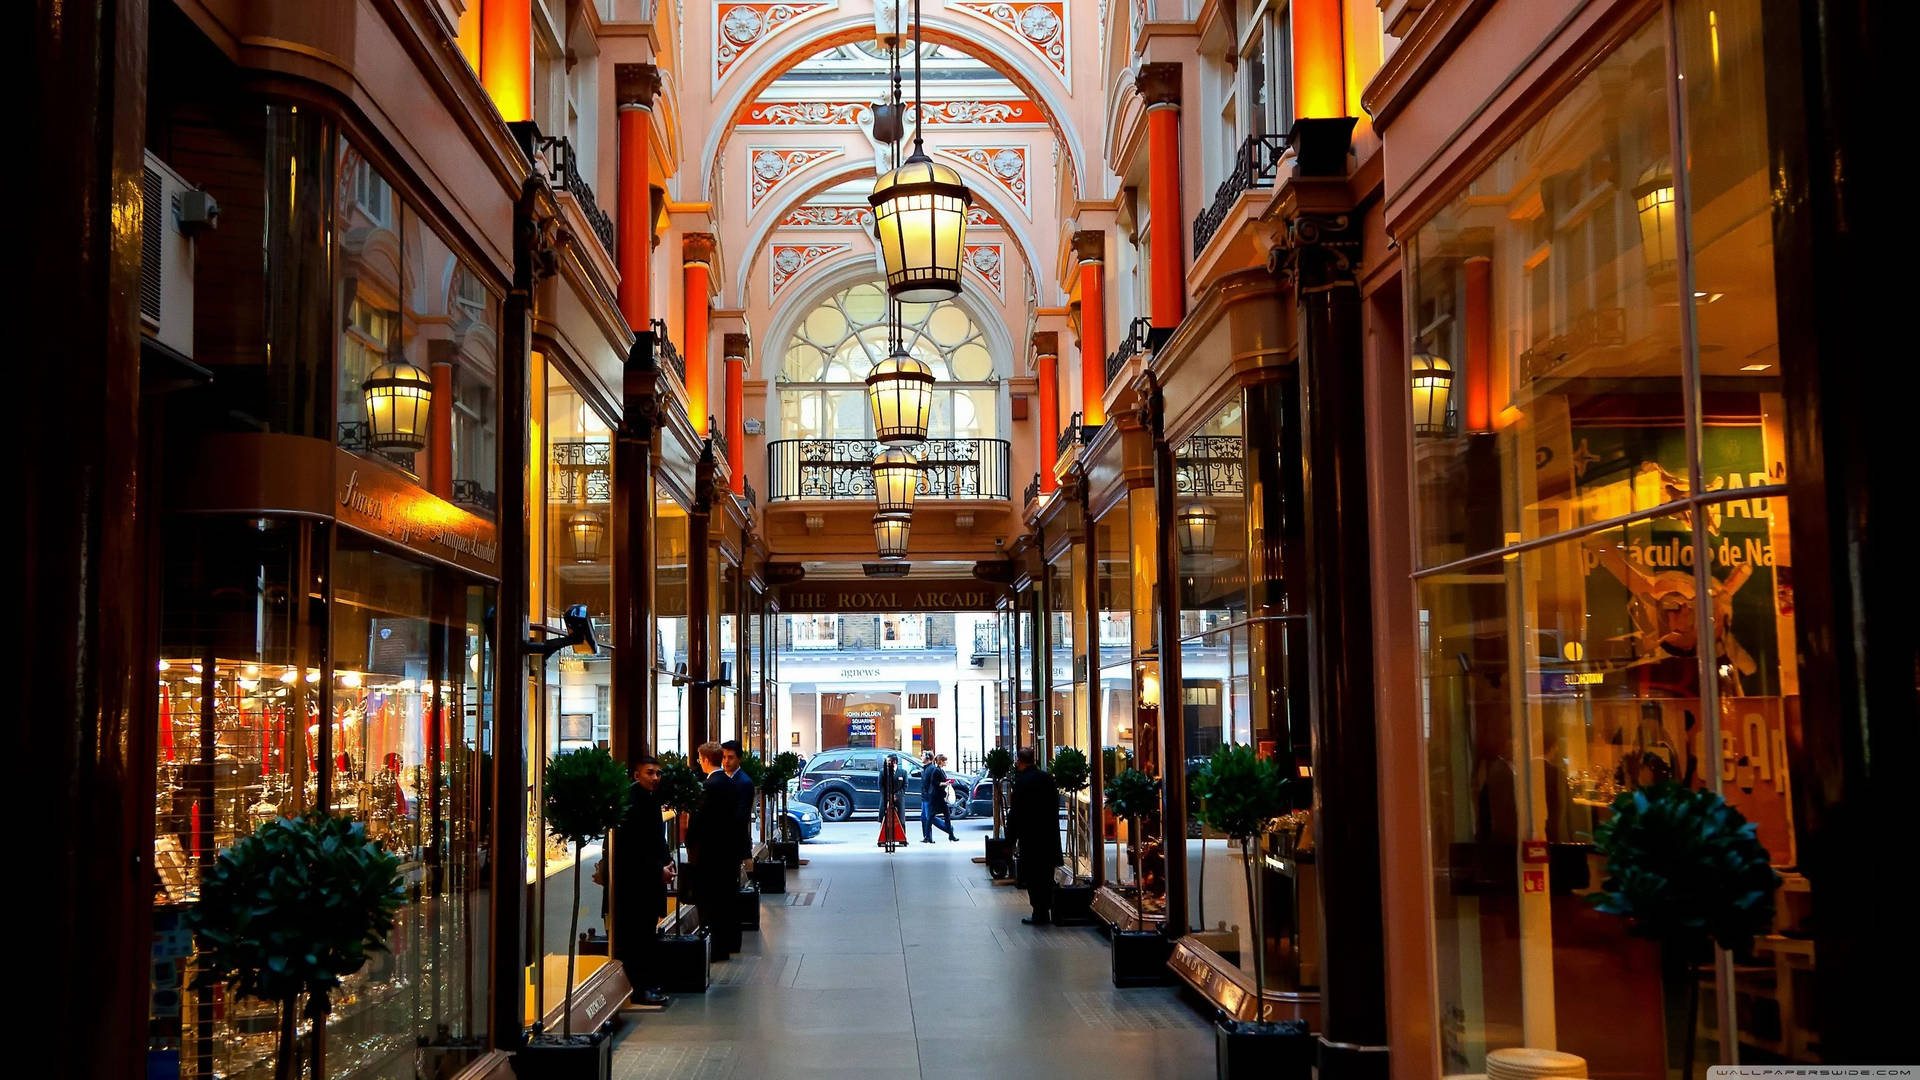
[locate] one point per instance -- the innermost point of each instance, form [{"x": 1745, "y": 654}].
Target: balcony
[
  {"x": 556, "y": 155},
  {"x": 665, "y": 353},
  {"x": 842, "y": 469},
  {"x": 1253, "y": 167},
  {"x": 1135, "y": 343}
]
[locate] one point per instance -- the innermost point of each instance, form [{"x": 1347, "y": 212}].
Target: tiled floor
[{"x": 912, "y": 965}]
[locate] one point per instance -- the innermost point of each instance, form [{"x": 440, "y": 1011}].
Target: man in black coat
[
  {"x": 1033, "y": 822},
  {"x": 643, "y": 866},
  {"x": 933, "y": 807},
  {"x": 713, "y": 848},
  {"x": 730, "y": 759}
]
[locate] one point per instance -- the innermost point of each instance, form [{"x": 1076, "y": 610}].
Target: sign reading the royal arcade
[{"x": 907, "y": 596}]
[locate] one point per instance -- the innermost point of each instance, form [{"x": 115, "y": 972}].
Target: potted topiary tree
[
  {"x": 681, "y": 788},
  {"x": 1072, "y": 901},
  {"x": 1139, "y": 954},
  {"x": 293, "y": 909},
  {"x": 769, "y": 874},
  {"x": 1245, "y": 799},
  {"x": 786, "y": 843},
  {"x": 583, "y": 797},
  {"x": 1685, "y": 870},
  {"x": 683, "y": 957},
  {"x": 999, "y": 764}
]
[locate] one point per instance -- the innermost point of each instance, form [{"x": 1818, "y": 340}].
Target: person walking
[
  {"x": 643, "y": 868},
  {"x": 1033, "y": 821},
  {"x": 713, "y": 849},
  {"x": 933, "y": 802}
]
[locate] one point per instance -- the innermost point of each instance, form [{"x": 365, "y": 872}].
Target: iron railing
[
  {"x": 470, "y": 494},
  {"x": 1130, "y": 346},
  {"x": 1032, "y": 494},
  {"x": 752, "y": 496},
  {"x": 986, "y": 639},
  {"x": 1077, "y": 431},
  {"x": 1210, "y": 465},
  {"x": 563, "y": 170},
  {"x": 582, "y": 471},
  {"x": 664, "y": 350},
  {"x": 357, "y": 436},
  {"x": 718, "y": 438},
  {"x": 843, "y": 469},
  {"x": 1253, "y": 166}
]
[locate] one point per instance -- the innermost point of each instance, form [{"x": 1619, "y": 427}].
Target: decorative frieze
[
  {"x": 1005, "y": 165},
  {"x": 1040, "y": 27},
  {"x": 829, "y": 217},
  {"x": 771, "y": 166},
  {"x": 788, "y": 261},
  {"x": 988, "y": 261},
  {"x": 1002, "y": 112},
  {"x": 740, "y": 29}
]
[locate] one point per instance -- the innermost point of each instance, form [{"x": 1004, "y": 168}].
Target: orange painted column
[
  {"x": 635, "y": 87},
  {"x": 1159, "y": 84},
  {"x": 440, "y": 428},
  {"x": 1090, "y": 247},
  {"x": 506, "y": 56},
  {"x": 1319, "y": 81},
  {"x": 1477, "y": 380},
  {"x": 733, "y": 353},
  {"x": 1046, "y": 347},
  {"x": 696, "y": 261}
]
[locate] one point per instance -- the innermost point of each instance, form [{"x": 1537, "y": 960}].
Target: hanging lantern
[
  {"x": 890, "y": 534},
  {"x": 588, "y": 531},
  {"x": 1149, "y": 688},
  {"x": 920, "y": 221},
  {"x": 896, "y": 476},
  {"x": 900, "y": 389},
  {"x": 1432, "y": 394},
  {"x": 398, "y": 397},
  {"x": 1196, "y": 527},
  {"x": 1654, "y": 204}
]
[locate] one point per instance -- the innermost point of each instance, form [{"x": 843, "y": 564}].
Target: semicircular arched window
[{"x": 822, "y": 390}]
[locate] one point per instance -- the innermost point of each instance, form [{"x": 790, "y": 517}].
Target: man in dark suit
[
  {"x": 1033, "y": 821},
  {"x": 643, "y": 867},
  {"x": 933, "y": 807},
  {"x": 730, "y": 760},
  {"x": 713, "y": 848}
]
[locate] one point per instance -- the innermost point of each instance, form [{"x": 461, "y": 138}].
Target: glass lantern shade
[
  {"x": 920, "y": 223},
  {"x": 1432, "y": 394},
  {"x": 890, "y": 534},
  {"x": 1149, "y": 688},
  {"x": 896, "y": 477},
  {"x": 399, "y": 398},
  {"x": 1654, "y": 205},
  {"x": 1196, "y": 527},
  {"x": 588, "y": 532},
  {"x": 900, "y": 389}
]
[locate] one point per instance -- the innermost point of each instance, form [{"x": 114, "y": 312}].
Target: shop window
[
  {"x": 903, "y": 631},
  {"x": 814, "y": 631},
  {"x": 923, "y": 701}
]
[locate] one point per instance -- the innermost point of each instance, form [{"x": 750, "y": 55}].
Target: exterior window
[
  {"x": 923, "y": 701},
  {"x": 903, "y": 631},
  {"x": 371, "y": 194},
  {"x": 815, "y": 631},
  {"x": 1266, "y": 80}
]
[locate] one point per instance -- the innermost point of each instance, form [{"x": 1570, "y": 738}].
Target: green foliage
[
  {"x": 680, "y": 783},
  {"x": 1681, "y": 863},
  {"x": 1133, "y": 794},
  {"x": 1199, "y": 783},
  {"x": 1069, "y": 769},
  {"x": 585, "y": 794},
  {"x": 1244, "y": 793},
  {"x": 787, "y": 763},
  {"x": 1115, "y": 760},
  {"x": 755, "y": 769},
  {"x": 999, "y": 762},
  {"x": 297, "y": 906}
]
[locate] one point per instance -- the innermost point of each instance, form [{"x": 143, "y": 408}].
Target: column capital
[
  {"x": 1159, "y": 84},
  {"x": 1322, "y": 250},
  {"x": 1090, "y": 245},
  {"x": 657, "y": 205},
  {"x": 635, "y": 85},
  {"x": 697, "y": 247},
  {"x": 735, "y": 346},
  {"x": 1046, "y": 342}
]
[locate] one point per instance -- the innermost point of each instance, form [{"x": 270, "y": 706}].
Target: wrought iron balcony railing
[
  {"x": 1130, "y": 346},
  {"x": 665, "y": 351},
  {"x": 718, "y": 438},
  {"x": 1253, "y": 166},
  {"x": 1032, "y": 494},
  {"x": 986, "y": 639},
  {"x": 752, "y": 496},
  {"x": 1077, "y": 431},
  {"x": 563, "y": 169},
  {"x": 1210, "y": 465},
  {"x": 470, "y": 494},
  {"x": 843, "y": 469}
]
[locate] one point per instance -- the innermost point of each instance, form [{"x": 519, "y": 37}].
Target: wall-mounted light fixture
[{"x": 399, "y": 398}]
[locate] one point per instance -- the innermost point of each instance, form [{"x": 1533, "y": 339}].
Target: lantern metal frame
[
  {"x": 394, "y": 389},
  {"x": 1656, "y": 210},
  {"x": 1196, "y": 527},
  {"x": 890, "y": 534},
  {"x": 900, "y": 395},
  {"x": 1432, "y": 379},
  {"x": 586, "y": 533},
  {"x": 896, "y": 479},
  {"x": 922, "y": 268}
]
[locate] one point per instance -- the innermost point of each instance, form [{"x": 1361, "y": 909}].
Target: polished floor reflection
[{"x": 912, "y": 965}]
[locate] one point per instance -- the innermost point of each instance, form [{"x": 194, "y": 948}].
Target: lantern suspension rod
[{"x": 917, "y": 119}]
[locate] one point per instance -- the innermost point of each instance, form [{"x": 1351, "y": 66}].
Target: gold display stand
[
  {"x": 600, "y": 989},
  {"x": 1231, "y": 990}
]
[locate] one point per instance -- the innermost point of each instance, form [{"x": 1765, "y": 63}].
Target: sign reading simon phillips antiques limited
[
  {"x": 929, "y": 595},
  {"x": 375, "y": 500}
]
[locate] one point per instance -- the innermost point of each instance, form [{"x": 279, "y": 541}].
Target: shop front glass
[
  {"x": 1648, "y": 636},
  {"x": 1114, "y": 653},
  {"x": 670, "y": 628},
  {"x": 727, "y": 721},
  {"x": 1066, "y": 711}
]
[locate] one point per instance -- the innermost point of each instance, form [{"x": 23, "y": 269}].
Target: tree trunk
[
  {"x": 1259, "y": 940},
  {"x": 573, "y": 943},
  {"x": 284, "y": 1068},
  {"x": 1680, "y": 998},
  {"x": 318, "y": 1005}
]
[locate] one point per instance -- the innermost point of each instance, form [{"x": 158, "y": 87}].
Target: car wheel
[{"x": 836, "y": 806}]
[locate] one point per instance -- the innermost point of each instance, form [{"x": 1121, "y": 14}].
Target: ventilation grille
[{"x": 151, "y": 227}]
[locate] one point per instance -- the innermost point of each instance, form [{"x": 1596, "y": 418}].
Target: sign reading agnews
[{"x": 931, "y": 595}]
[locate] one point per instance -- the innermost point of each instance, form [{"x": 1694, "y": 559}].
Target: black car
[{"x": 846, "y": 781}]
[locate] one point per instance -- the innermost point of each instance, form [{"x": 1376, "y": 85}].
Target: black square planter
[
  {"x": 583, "y": 1057},
  {"x": 787, "y": 851},
  {"x": 750, "y": 908},
  {"x": 1280, "y": 1051},
  {"x": 999, "y": 857},
  {"x": 1072, "y": 904},
  {"x": 683, "y": 962},
  {"x": 1140, "y": 957},
  {"x": 770, "y": 875}
]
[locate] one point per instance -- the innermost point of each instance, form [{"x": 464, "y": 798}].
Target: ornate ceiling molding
[
  {"x": 1041, "y": 27},
  {"x": 771, "y": 166},
  {"x": 1000, "y": 112},
  {"x": 846, "y": 216},
  {"x": 989, "y": 262},
  {"x": 788, "y": 261},
  {"x": 980, "y": 217},
  {"x": 1005, "y": 165},
  {"x": 741, "y": 29}
]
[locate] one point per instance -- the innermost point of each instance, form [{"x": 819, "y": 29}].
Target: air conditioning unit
[{"x": 174, "y": 212}]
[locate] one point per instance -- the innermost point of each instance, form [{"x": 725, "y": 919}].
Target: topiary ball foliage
[
  {"x": 1133, "y": 794},
  {"x": 296, "y": 906},
  {"x": 787, "y": 763},
  {"x": 1245, "y": 793},
  {"x": 1681, "y": 863},
  {"x": 584, "y": 795},
  {"x": 681, "y": 785},
  {"x": 1069, "y": 769},
  {"x": 999, "y": 762}
]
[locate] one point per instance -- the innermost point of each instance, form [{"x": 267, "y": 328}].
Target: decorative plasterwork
[
  {"x": 1007, "y": 165},
  {"x": 1041, "y": 27},
  {"x": 787, "y": 261},
  {"x": 988, "y": 261},
  {"x": 739, "y": 29},
  {"x": 979, "y": 217},
  {"x": 829, "y": 217},
  {"x": 1001, "y": 113},
  {"x": 771, "y": 166}
]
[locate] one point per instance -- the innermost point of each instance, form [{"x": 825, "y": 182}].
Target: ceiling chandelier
[
  {"x": 896, "y": 476},
  {"x": 919, "y": 210},
  {"x": 890, "y": 534}
]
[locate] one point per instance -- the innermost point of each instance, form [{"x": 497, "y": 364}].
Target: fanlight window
[{"x": 822, "y": 394}]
